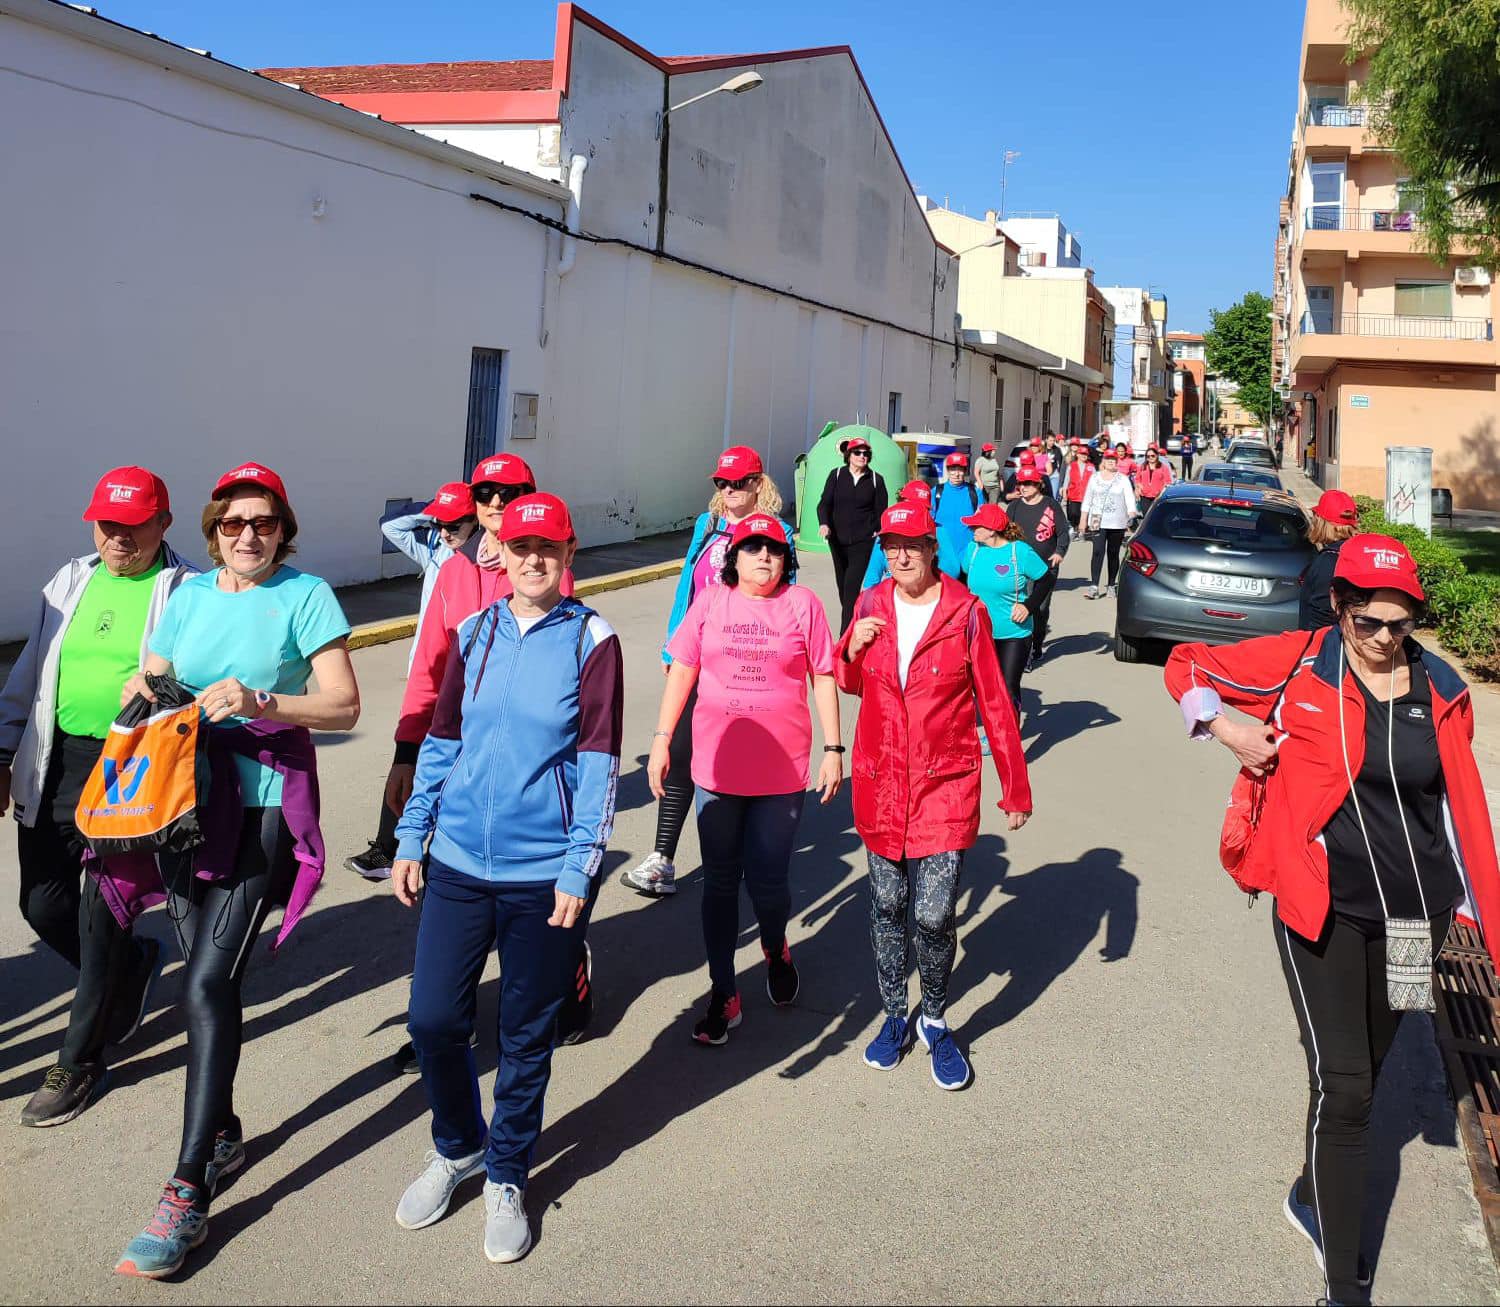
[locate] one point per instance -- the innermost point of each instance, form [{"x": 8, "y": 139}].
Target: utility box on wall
[{"x": 1408, "y": 486}]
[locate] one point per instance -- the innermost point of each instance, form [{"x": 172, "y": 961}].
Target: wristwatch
[{"x": 833, "y": 748}]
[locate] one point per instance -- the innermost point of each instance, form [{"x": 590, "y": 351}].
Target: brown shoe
[{"x": 65, "y": 1093}]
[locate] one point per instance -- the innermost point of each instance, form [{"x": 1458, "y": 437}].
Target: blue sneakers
[
  {"x": 950, "y": 1069},
  {"x": 179, "y": 1226},
  {"x": 886, "y": 1050},
  {"x": 1303, "y": 1219}
]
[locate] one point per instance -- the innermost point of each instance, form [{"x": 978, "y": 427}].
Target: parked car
[
  {"x": 1211, "y": 562},
  {"x": 1250, "y": 451},
  {"x": 1244, "y": 474}
]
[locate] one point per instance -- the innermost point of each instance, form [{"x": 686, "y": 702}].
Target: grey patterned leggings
[{"x": 933, "y": 881}]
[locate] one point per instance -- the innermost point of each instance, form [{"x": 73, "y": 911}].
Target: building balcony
[
  {"x": 1319, "y": 343},
  {"x": 1353, "y": 232},
  {"x": 1334, "y": 115}
]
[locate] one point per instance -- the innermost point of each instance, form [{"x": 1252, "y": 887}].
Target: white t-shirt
[
  {"x": 526, "y": 623},
  {"x": 912, "y": 621}
]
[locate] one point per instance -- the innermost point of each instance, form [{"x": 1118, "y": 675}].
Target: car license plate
[{"x": 1217, "y": 583}]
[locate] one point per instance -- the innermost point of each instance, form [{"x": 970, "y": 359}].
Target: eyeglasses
[
  {"x": 486, "y": 491},
  {"x": 773, "y": 547},
  {"x": 232, "y": 527},
  {"x": 906, "y": 546},
  {"x": 859, "y": 453},
  {"x": 744, "y": 483},
  {"x": 1367, "y": 628}
]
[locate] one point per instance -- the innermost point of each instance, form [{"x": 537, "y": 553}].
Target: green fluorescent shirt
[{"x": 101, "y": 649}]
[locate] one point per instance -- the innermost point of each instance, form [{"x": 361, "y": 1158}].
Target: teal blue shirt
[
  {"x": 1002, "y": 576},
  {"x": 264, "y": 637}
]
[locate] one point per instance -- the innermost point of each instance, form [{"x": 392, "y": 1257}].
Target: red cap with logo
[
  {"x": 910, "y": 520},
  {"x": 251, "y": 474},
  {"x": 956, "y": 460},
  {"x": 1028, "y": 475},
  {"x": 131, "y": 495},
  {"x": 1026, "y": 459},
  {"x": 854, "y": 443},
  {"x": 536, "y": 515},
  {"x": 986, "y": 448},
  {"x": 452, "y": 502},
  {"x": 1338, "y": 508},
  {"x": 758, "y": 524},
  {"x": 738, "y": 461},
  {"x": 502, "y": 470},
  {"x": 1036, "y": 442},
  {"x": 990, "y": 516},
  {"x": 1378, "y": 563},
  {"x": 914, "y": 492}
]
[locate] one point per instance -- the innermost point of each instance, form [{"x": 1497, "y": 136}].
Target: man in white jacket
[{"x": 87, "y": 637}]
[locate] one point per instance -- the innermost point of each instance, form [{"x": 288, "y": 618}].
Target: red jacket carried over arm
[{"x": 915, "y": 773}]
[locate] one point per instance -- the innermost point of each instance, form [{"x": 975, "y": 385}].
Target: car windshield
[
  {"x": 1237, "y": 523},
  {"x": 1246, "y": 476},
  {"x": 1250, "y": 454}
]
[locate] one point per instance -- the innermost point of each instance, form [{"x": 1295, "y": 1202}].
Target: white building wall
[
  {"x": 532, "y": 147},
  {"x": 171, "y": 299}
]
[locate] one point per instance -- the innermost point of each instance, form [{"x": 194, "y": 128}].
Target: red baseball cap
[
  {"x": 536, "y": 515},
  {"x": 251, "y": 474},
  {"x": 990, "y": 516},
  {"x": 738, "y": 461},
  {"x": 1028, "y": 475},
  {"x": 853, "y": 443},
  {"x": 956, "y": 460},
  {"x": 1027, "y": 459},
  {"x": 758, "y": 524},
  {"x": 986, "y": 449},
  {"x": 131, "y": 495},
  {"x": 1378, "y": 563},
  {"x": 910, "y": 520},
  {"x": 1036, "y": 442},
  {"x": 503, "y": 470},
  {"x": 914, "y": 492},
  {"x": 1338, "y": 508},
  {"x": 452, "y": 501}
]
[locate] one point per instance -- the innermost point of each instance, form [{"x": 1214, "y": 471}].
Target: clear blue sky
[{"x": 1160, "y": 134}]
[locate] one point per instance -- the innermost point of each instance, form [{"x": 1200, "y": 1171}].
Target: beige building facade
[{"x": 1375, "y": 344}]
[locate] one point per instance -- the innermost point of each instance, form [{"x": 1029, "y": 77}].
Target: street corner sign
[{"x": 1359, "y": 401}]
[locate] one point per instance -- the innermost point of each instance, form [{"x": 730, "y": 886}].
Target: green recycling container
[{"x": 886, "y": 457}]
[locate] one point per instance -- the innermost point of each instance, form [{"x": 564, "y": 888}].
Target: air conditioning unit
[{"x": 1471, "y": 276}]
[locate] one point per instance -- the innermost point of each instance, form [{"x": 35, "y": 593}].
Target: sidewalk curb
[{"x": 369, "y": 634}]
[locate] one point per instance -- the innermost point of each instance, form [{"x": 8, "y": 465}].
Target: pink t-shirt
[
  {"x": 752, "y": 731},
  {"x": 711, "y": 561}
]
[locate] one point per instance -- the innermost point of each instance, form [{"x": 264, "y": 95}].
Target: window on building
[
  {"x": 1026, "y": 419},
  {"x": 486, "y": 382},
  {"x": 1326, "y": 182},
  {"x": 1046, "y": 416},
  {"x": 893, "y": 413},
  {"x": 1424, "y": 299},
  {"x": 999, "y": 409},
  {"x": 1144, "y": 368}
]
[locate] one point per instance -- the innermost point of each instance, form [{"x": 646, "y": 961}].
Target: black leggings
[
  {"x": 677, "y": 800},
  {"x": 1107, "y": 539},
  {"x": 1338, "y": 993},
  {"x": 217, "y": 923},
  {"x": 1012, "y": 654},
  {"x": 850, "y": 562}
]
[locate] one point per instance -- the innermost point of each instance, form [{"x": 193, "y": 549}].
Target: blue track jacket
[{"x": 516, "y": 778}]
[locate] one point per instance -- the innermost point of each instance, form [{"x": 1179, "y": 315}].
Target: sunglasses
[
  {"x": 233, "y": 527},
  {"x": 761, "y": 545},
  {"x": 744, "y": 483},
  {"x": 859, "y": 453},
  {"x": 1367, "y": 628},
  {"x": 486, "y": 491}
]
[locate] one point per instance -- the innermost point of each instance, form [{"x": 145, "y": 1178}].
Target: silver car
[
  {"x": 1244, "y": 474},
  {"x": 1211, "y": 562}
]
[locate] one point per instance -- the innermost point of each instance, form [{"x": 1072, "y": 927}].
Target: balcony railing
[
  {"x": 1397, "y": 325},
  {"x": 1335, "y": 115},
  {"x": 1337, "y": 217}
]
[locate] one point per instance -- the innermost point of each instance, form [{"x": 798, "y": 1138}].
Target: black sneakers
[
  {"x": 782, "y": 981},
  {"x": 65, "y": 1093},
  {"x": 723, "y": 1016},
  {"x": 373, "y": 864}
]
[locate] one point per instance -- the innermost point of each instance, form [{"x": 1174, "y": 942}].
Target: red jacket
[
  {"x": 916, "y": 765},
  {"x": 462, "y": 588},
  {"x": 1309, "y": 784},
  {"x": 1151, "y": 482},
  {"x": 1079, "y": 472}
]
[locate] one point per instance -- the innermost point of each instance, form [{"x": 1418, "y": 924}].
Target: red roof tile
[{"x": 475, "y": 75}]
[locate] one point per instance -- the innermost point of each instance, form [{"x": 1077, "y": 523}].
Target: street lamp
[
  {"x": 736, "y": 85},
  {"x": 1007, "y": 157}
]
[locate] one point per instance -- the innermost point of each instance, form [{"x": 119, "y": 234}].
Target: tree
[
  {"x": 1190, "y": 424},
  {"x": 1433, "y": 89},
  {"x": 1238, "y": 346}
]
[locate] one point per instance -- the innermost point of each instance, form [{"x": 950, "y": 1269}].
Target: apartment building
[
  {"x": 1375, "y": 343},
  {"x": 1146, "y": 374},
  {"x": 1188, "y": 365},
  {"x": 1045, "y": 242}
]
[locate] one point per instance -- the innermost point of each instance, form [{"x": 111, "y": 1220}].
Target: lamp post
[
  {"x": 1007, "y": 157},
  {"x": 736, "y": 85}
]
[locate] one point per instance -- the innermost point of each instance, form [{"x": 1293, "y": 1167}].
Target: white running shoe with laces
[
  {"x": 507, "y": 1232},
  {"x": 654, "y": 874},
  {"x": 427, "y": 1197}
]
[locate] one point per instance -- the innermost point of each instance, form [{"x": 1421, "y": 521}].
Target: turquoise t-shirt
[
  {"x": 1001, "y": 576},
  {"x": 264, "y": 636}
]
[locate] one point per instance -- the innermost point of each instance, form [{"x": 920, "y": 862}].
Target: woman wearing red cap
[
  {"x": 854, "y": 497},
  {"x": 749, "y": 646},
  {"x": 1151, "y": 478},
  {"x": 1374, "y": 818},
  {"x": 512, "y": 808},
  {"x": 742, "y": 487},
  {"x": 1107, "y": 510},
  {"x": 953, "y": 499},
  {"x": 249, "y": 636},
  {"x": 1076, "y": 478},
  {"x": 1002, "y": 572},
  {"x": 920, "y": 656},
  {"x": 1335, "y": 518},
  {"x": 988, "y": 473}
]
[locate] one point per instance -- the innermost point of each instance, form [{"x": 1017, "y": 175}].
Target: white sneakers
[
  {"x": 507, "y": 1233},
  {"x": 654, "y": 874}
]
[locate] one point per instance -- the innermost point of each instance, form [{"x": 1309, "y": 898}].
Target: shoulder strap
[{"x": 583, "y": 635}]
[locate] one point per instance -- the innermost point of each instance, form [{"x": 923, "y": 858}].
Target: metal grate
[{"x": 1468, "y": 1025}]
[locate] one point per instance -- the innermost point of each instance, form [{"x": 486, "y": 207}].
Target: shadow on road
[{"x": 1047, "y": 723}]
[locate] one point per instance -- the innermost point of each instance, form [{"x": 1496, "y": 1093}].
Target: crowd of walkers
[{"x": 1359, "y": 808}]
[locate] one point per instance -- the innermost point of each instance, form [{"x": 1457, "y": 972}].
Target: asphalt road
[{"x": 1135, "y": 1119}]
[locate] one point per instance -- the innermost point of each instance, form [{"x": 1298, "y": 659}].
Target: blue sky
[{"x": 1159, "y": 135}]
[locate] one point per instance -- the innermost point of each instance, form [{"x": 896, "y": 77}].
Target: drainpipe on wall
[{"x": 576, "y": 168}]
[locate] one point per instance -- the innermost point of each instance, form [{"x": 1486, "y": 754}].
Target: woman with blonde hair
[
  {"x": 1335, "y": 517},
  {"x": 741, "y": 489}
]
